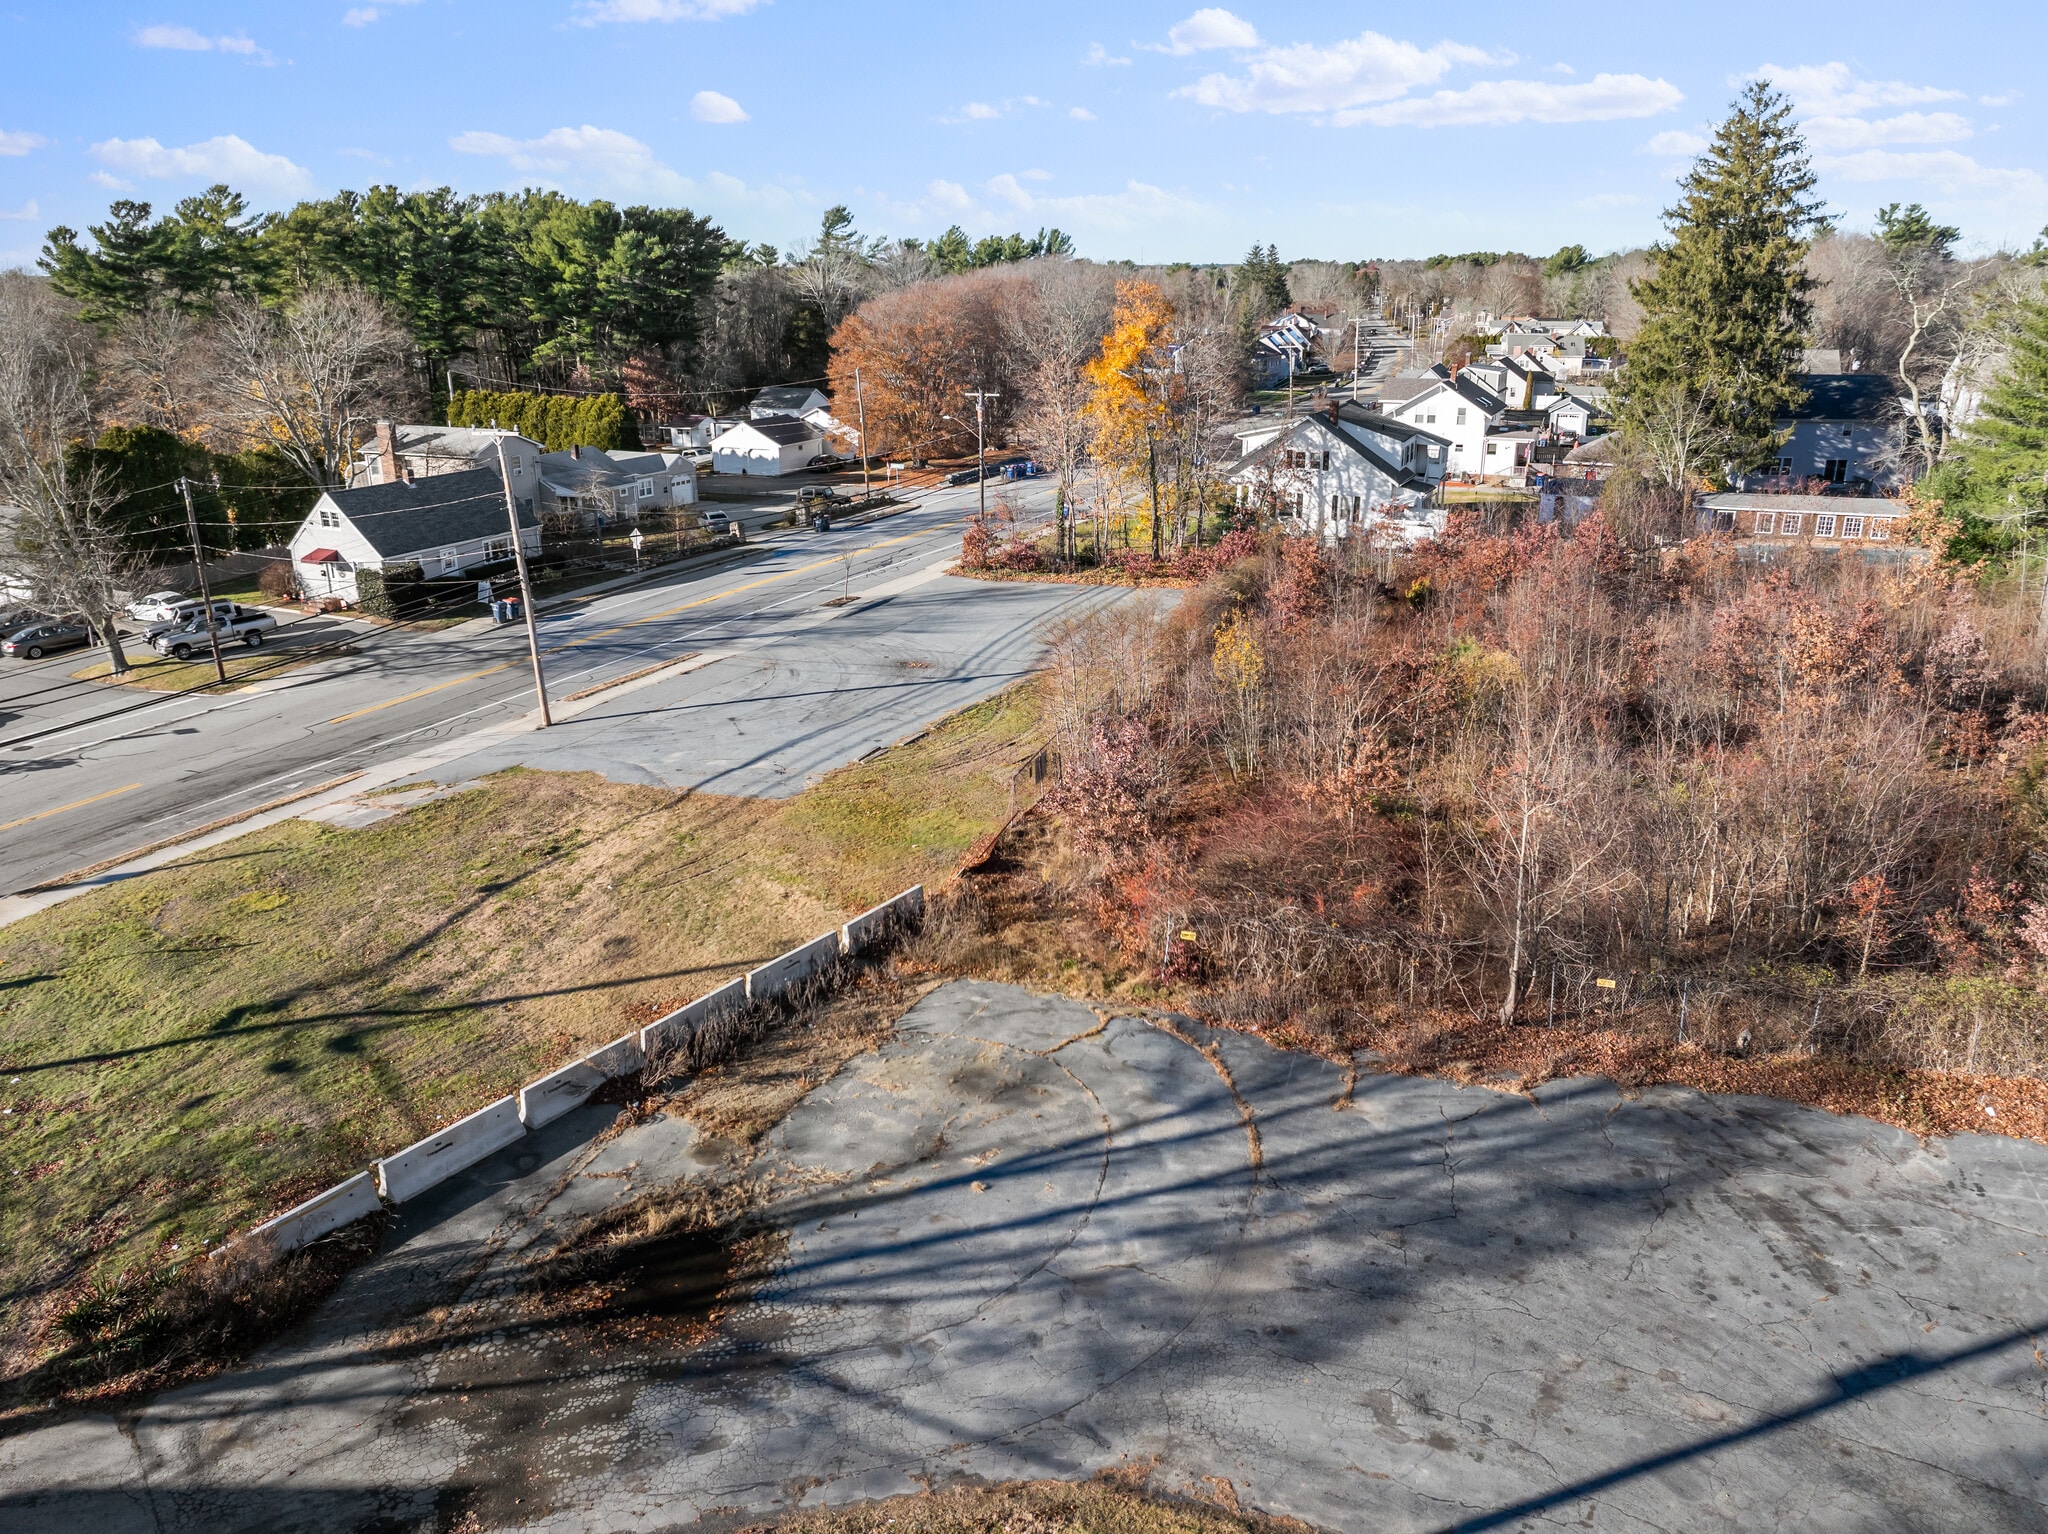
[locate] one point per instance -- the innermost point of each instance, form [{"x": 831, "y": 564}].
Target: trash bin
[{"x": 505, "y": 610}]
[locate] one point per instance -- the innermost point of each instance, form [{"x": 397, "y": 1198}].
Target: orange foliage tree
[
  {"x": 1132, "y": 389},
  {"x": 918, "y": 351}
]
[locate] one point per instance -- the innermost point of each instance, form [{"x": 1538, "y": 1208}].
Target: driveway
[{"x": 1025, "y": 1242}]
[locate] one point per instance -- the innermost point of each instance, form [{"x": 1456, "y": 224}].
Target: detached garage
[
  {"x": 445, "y": 524},
  {"x": 775, "y": 444}
]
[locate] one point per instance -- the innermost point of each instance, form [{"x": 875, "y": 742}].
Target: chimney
[
  {"x": 387, "y": 454},
  {"x": 575, "y": 450}
]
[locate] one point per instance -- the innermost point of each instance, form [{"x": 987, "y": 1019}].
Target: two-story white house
[
  {"x": 1457, "y": 409},
  {"x": 1843, "y": 430},
  {"x": 416, "y": 452},
  {"x": 445, "y": 523},
  {"x": 1335, "y": 477}
]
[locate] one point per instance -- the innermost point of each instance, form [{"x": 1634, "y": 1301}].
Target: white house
[
  {"x": 415, "y": 452},
  {"x": 618, "y": 486},
  {"x": 1843, "y": 431},
  {"x": 445, "y": 523},
  {"x": 1334, "y": 480},
  {"x": 1406, "y": 447},
  {"x": 797, "y": 400},
  {"x": 771, "y": 445},
  {"x": 1458, "y": 410},
  {"x": 1568, "y": 415}
]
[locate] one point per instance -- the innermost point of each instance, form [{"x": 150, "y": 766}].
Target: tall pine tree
[
  {"x": 1725, "y": 309},
  {"x": 2004, "y": 454}
]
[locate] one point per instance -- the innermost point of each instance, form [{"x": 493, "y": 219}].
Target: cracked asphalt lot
[{"x": 1024, "y": 1243}]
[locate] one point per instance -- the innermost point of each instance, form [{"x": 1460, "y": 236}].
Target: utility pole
[
  {"x": 860, "y": 406},
  {"x": 220, "y": 668},
  {"x": 981, "y": 398},
  {"x": 540, "y": 681}
]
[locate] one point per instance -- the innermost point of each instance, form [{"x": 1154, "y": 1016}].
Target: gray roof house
[
  {"x": 615, "y": 486},
  {"x": 1843, "y": 432},
  {"x": 788, "y": 399},
  {"x": 415, "y": 452},
  {"x": 1335, "y": 476},
  {"x": 445, "y": 523}
]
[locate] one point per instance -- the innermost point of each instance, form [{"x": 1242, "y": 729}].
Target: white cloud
[
  {"x": 1843, "y": 133},
  {"x": 716, "y": 107},
  {"x": 363, "y": 15},
  {"x": 1833, "y": 90},
  {"x": 228, "y": 158},
  {"x": 1036, "y": 175},
  {"x": 1101, "y": 58},
  {"x": 1998, "y": 101},
  {"x": 1562, "y": 69},
  {"x": 13, "y": 144},
  {"x": 1492, "y": 103},
  {"x": 182, "y": 39},
  {"x": 1081, "y": 114},
  {"x": 604, "y": 160},
  {"x": 1307, "y": 77},
  {"x": 1678, "y": 142},
  {"x": 980, "y": 112},
  {"x": 1948, "y": 169},
  {"x": 595, "y": 11},
  {"x": 1210, "y": 27},
  {"x": 25, "y": 214},
  {"x": 111, "y": 183},
  {"x": 1004, "y": 202}
]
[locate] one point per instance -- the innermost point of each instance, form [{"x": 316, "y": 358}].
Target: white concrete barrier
[
  {"x": 462, "y": 1144},
  {"x": 342, "y": 1204},
  {"x": 869, "y": 925},
  {"x": 676, "y": 1028},
  {"x": 544, "y": 1101},
  {"x": 794, "y": 967}
]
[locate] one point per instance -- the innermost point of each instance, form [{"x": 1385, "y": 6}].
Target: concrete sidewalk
[{"x": 1024, "y": 1241}]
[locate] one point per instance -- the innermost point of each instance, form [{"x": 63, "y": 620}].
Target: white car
[{"x": 156, "y": 607}]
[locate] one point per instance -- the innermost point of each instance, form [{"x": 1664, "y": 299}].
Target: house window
[
  {"x": 1824, "y": 525},
  {"x": 1852, "y": 527},
  {"x": 450, "y": 561},
  {"x": 1789, "y": 525},
  {"x": 329, "y": 517},
  {"x": 1835, "y": 470},
  {"x": 1785, "y": 468},
  {"x": 516, "y": 464},
  {"x": 1430, "y": 418},
  {"x": 1881, "y": 528},
  {"x": 1766, "y": 521},
  {"x": 646, "y": 489},
  {"x": 496, "y": 549},
  {"x": 1461, "y": 415},
  {"x": 1432, "y": 452},
  {"x": 1492, "y": 448}
]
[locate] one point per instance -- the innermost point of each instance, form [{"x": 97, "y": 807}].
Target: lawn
[
  {"x": 189, "y": 1052},
  {"x": 162, "y": 674}
]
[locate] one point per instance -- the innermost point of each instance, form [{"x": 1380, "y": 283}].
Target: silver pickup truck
[{"x": 183, "y": 641}]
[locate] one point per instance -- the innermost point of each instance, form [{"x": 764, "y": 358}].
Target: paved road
[
  {"x": 797, "y": 687},
  {"x": 1034, "y": 1245}
]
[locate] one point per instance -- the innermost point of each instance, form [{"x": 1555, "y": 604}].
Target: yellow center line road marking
[
  {"x": 454, "y": 681},
  {"x": 76, "y": 804},
  {"x": 669, "y": 612}
]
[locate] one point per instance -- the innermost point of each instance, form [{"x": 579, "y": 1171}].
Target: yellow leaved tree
[{"x": 1132, "y": 387}]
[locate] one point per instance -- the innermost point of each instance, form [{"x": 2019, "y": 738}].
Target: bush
[
  {"x": 278, "y": 583},
  {"x": 390, "y": 592}
]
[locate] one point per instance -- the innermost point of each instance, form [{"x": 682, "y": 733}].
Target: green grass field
[{"x": 187, "y": 1053}]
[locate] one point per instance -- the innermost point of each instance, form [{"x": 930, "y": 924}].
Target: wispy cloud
[
  {"x": 1677, "y": 143},
  {"x": 1492, "y": 103},
  {"x": 25, "y": 214},
  {"x": 229, "y": 158},
  {"x": 1948, "y": 169},
  {"x": 15, "y": 144},
  {"x": 716, "y": 107},
  {"x": 1006, "y": 201},
  {"x": 1332, "y": 78},
  {"x": 1081, "y": 114},
  {"x": 595, "y": 11},
  {"x": 183, "y": 39},
  {"x": 1101, "y": 58},
  {"x": 607, "y": 161},
  {"x": 364, "y": 15}
]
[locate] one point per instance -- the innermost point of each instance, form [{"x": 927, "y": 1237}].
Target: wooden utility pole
[
  {"x": 860, "y": 405},
  {"x": 220, "y": 667},
  {"x": 981, "y": 398},
  {"x": 540, "y": 681}
]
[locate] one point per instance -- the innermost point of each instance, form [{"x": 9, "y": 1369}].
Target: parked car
[
  {"x": 185, "y": 616},
  {"x": 157, "y": 607},
  {"x": 719, "y": 525},
  {"x": 248, "y": 624},
  {"x": 41, "y": 639}
]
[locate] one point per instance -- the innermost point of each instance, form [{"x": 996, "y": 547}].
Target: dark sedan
[{"x": 42, "y": 639}]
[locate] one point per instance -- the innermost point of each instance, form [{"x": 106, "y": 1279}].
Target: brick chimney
[
  {"x": 575, "y": 450},
  {"x": 387, "y": 454}
]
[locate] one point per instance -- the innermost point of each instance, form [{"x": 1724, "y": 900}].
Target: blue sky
[{"x": 1154, "y": 132}]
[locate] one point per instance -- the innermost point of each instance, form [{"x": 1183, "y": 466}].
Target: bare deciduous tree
[
  {"x": 308, "y": 378},
  {"x": 61, "y": 541}
]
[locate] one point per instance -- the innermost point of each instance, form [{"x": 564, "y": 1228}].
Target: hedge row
[{"x": 557, "y": 422}]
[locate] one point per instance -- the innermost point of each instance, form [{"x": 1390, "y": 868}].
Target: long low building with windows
[
  {"x": 1872, "y": 524},
  {"x": 444, "y": 523}
]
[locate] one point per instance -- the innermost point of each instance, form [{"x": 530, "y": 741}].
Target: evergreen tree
[
  {"x": 1262, "y": 284},
  {"x": 1725, "y": 309},
  {"x": 2003, "y": 460}
]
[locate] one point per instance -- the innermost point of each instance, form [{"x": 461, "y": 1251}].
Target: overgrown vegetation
[
  {"x": 192, "y": 1051},
  {"x": 1798, "y": 805},
  {"x": 1109, "y": 1504}
]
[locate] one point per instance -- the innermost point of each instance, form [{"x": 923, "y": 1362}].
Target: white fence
[{"x": 462, "y": 1144}]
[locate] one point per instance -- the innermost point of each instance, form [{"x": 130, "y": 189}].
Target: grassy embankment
[{"x": 187, "y": 1053}]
